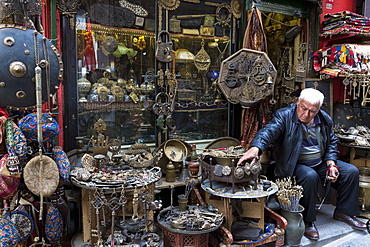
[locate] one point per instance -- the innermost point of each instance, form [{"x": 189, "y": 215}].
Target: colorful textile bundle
[
  {"x": 345, "y": 22},
  {"x": 342, "y": 59}
]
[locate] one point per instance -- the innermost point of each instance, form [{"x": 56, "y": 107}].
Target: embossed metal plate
[{"x": 247, "y": 77}]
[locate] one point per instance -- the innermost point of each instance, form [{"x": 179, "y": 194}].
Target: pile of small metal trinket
[
  {"x": 230, "y": 152},
  {"x": 264, "y": 188},
  {"x": 359, "y": 135},
  {"x": 289, "y": 194},
  {"x": 195, "y": 218},
  {"x": 92, "y": 176}
]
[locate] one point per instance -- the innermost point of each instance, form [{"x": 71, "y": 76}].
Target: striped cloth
[
  {"x": 310, "y": 149},
  {"x": 345, "y": 22}
]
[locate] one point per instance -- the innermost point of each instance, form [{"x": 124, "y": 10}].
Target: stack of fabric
[
  {"x": 342, "y": 59},
  {"x": 345, "y": 22}
]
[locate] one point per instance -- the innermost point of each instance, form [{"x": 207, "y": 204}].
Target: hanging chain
[{"x": 47, "y": 69}]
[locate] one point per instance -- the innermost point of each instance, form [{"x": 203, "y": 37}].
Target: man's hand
[
  {"x": 251, "y": 153},
  {"x": 333, "y": 174}
]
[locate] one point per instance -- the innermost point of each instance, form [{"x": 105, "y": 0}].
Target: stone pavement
[{"x": 335, "y": 233}]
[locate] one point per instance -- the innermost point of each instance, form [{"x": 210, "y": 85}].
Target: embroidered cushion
[
  {"x": 62, "y": 161},
  {"x": 8, "y": 232},
  {"x": 53, "y": 225},
  {"x": 50, "y": 127},
  {"x": 15, "y": 139},
  {"x": 8, "y": 183}
]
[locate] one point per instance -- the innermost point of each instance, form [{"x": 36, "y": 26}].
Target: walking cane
[{"x": 327, "y": 184}]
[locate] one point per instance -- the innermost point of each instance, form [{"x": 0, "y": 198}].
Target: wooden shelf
[
  {"x": 180, "y": 35},
  {"x": 87, "y": 107},
  {"x": 134, "y": 31},
  {"x": 120, "y": 30}
]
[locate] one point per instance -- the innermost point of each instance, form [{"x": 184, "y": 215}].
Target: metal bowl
[
  {"x": 226, "y": 161},
  {"x": 175, "y": 150}
]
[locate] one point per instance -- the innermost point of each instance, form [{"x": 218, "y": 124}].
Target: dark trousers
[{"x": 347, "y": 186}]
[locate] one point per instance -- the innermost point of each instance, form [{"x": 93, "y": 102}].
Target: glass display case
[
  {"x": 200, "y": 110},
  {"x": 119, "y": 75}
]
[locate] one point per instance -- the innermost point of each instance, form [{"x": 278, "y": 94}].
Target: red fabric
[
  {"x": 255, "y": 39},
  {"x": 3, "y": 113},
  {"x": 8, "y": 183},
  {"x": 61, "y": 86},
  {"x": 3, "y": 117},
  {"x": 90, "y": 60},
  {"x": 250, "y": 125}
]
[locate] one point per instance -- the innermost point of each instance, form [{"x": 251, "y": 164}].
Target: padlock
[
  {"x": 163, "y": 107},
  {"x": 164, "y": 51}
]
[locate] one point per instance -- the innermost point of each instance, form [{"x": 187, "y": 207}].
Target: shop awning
[{"x": 293, "y": 8}]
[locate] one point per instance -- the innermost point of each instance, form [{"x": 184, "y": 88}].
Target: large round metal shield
[
  {"x": 247, "y": 77},
  {"x": 20, "y": 50}
]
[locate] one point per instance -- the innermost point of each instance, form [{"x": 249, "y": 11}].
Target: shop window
[{"x": 119, "y": 75}]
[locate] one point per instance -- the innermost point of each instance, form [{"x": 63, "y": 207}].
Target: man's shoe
[
  {"x": 310, "y": 231},
  {"x": 350, "y": 220}
]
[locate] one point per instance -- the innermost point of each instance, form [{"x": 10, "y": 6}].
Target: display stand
[
  {"x": 174, "y": 237},
  {"x": 253, "y": 201},
  {"x": 89, "y": 217},
  {"x": 88, "y": 213}
]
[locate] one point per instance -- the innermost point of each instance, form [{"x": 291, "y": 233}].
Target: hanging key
[
  {"x": 345, "y": 83},
  {"x": 364, "y": 84},
  {"x": 359, "y": 84},
  {"x": 160, "y": 78},
  {"x": 135, "y": 206},
  {"x": 161, "y": 123},
  {"x": 98, "y": 202},
  {"x": 354, "y": 85},
  {"x": 144, "y": 200},
  {"x": 113, "y": 205},
  {"x": 123, "y": 201},
  {"x": 350, "y": 86}
]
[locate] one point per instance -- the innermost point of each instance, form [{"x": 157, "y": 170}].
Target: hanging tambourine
[
  {"x": 169, "y": 4},
  {"x": 202, "y": 60},
  {"x": 236, "y": 8},
  {"x": 21, "y": 49}
]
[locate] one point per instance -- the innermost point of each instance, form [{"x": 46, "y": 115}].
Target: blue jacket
[{"x": 285, "y": 132}]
